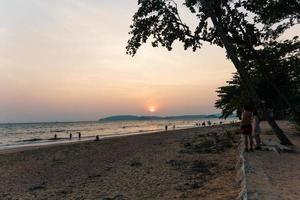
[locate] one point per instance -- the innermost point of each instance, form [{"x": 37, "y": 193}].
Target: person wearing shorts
[{"x": 246, "y": 127}]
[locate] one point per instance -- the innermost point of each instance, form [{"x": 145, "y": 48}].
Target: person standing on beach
[
  {"x": 257, "y": 130},
  {"x": 246, "y": 127},
  {"x": 166, "y": 127}
]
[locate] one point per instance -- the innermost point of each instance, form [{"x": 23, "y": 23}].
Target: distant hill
[{"x": 135, "y": 117}]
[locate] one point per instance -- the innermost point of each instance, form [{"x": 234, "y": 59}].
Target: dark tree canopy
[
  {"x": 224, "y": 23},
  {"x": 160, "y": 20},
  {"x": 257, "y": 46},
  {"x": 270, "y": 12},
  {"x": 283, "y": 64}
]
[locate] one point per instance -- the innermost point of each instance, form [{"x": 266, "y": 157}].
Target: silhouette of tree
[
  {"x": 283, "y": 63},
  {"x": 220, "y": 23},
  {"x": 271, "y": 12}
]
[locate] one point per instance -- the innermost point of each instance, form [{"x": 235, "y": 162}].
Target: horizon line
[{"x": 96, "y": 120}]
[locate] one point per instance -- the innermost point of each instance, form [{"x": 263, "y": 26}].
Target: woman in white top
[{"x": 257, "y": 130}]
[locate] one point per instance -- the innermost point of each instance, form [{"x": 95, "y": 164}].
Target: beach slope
[{"x": 178, "y": 164}]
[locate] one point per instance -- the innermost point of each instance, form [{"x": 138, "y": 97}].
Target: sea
[{"x": 16, "y": 135}]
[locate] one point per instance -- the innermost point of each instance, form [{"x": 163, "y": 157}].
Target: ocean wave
[
  {"x": 58, "y": 131},
  {"x": 30, "y": 140}
]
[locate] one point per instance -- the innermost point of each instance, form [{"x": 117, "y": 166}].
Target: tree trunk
[
  {"x": 245, "y": 78},
  {"x": 261, "y": 63},
  {"x": 262, "y": 66}
]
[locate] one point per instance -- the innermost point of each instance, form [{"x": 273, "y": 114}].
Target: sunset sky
[{"x": 65, "y": 60}]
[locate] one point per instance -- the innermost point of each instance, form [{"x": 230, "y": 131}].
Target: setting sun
[{"x": 152, "y": 109}]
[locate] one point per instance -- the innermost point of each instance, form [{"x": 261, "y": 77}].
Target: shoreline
[
  {"x": 66, "y": 141},
  {"x": 182, "y": 164}
]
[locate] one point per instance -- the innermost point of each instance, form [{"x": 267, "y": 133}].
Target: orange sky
[{"x": 65, "y": 60}]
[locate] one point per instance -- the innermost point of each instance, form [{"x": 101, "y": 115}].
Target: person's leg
[
  {"x": 251, "y": 142},
  {"x": 246, "y": 142},
  {"x": 258, "y": 141}
]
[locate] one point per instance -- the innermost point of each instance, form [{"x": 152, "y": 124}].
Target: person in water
[{"x": 246, "y": 127}]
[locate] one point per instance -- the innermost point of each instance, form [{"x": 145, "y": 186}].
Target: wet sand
[{"x": 179, "y": 164}]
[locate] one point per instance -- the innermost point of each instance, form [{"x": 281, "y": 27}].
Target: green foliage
[
  {"x": 232, "y": 97},
  {"x": 160, "y": 20},
  {"x": 268, "y": 61},
  {"x": 282, "y": 61},
  {"x": 270, "y": 12}
]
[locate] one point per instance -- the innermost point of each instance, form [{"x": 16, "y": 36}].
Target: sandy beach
[{"x": 178, "y": 164}]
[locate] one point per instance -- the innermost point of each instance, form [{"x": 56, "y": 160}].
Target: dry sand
[
  {"x": 274, "y": 176},
  {"x": 168, "y": 165}
]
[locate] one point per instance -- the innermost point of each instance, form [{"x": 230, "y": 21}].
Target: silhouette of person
[
  {"x": 246, "y": 126},
  {"x": 209, "y": 123},
  {"x": 257, "y": 129}
]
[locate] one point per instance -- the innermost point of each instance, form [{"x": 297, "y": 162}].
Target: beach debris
[
  {"x": 6, "y": 196},
  {"x": 200, "y": 166},
  {"x": 194, "y": 167},
  {"x": 117, "y": 197},
  {"x": 64, "y": 192},
  {"x": 212, "y": 142},
  {"x": 39, "y": 186},
  {"x": 189, "y": 186},
  {"x": 274, "y": 146},
  {"x": 108, "y": 168},
  {"x": 229, "y": 135},
  {"x": 136, "y": 164},
  {"x": 94, "y": 176},
  {"x": 178, "y": 164}
]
